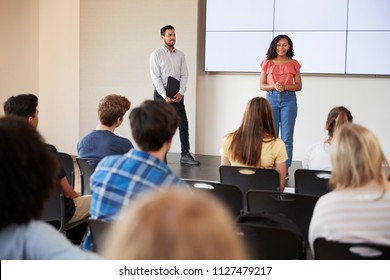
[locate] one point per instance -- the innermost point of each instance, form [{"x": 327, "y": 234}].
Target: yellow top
[{"x": 273, "y": 152}]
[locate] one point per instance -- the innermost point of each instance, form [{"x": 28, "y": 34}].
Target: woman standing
[{"x": 281, "y": 78}]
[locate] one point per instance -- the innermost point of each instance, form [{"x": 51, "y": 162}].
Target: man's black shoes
[{"x": 188, "y": 159}]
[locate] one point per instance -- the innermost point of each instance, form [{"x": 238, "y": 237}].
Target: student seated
[
  {"x": 76, "y": 206},
  {"x": 358, "y": 210},
  {"x": 28, "y": 173},
  {"x": 318, "y": 155},
  {"x": 102, "y": 141},
  {"x": 174, "y": 224},
  {"x": 119, "y": 179},
  {"x": 255, "y": 143}
]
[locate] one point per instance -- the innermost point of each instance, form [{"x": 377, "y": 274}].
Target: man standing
[{"x": 167, "y": 61}]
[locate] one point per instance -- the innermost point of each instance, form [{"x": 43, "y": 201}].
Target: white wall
[
  {"x": 113, "y": 40},
  {"x": 59, "y": 73},
  {"x": 19, "y": 47},
  {"x": 117, "y": 38},
  {"x": 39, "y": 54}
]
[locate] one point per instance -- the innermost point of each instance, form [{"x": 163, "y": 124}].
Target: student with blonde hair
[
  {"x": 255, "y": 143},
  {"x": 175, "y": 224},
  {"x": 318, "y": 155},
  {"x": 358, "y": 210}
]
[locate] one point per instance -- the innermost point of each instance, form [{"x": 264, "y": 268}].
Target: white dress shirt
[{"x": 163, "y": 64}]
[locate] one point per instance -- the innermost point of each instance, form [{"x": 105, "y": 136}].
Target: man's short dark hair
[
  {"x": 27, "y": 172},
  {"x": 23, "y": 105},
  {"x": 152, "y": 124},
  {"x": 165, "y": 28}
]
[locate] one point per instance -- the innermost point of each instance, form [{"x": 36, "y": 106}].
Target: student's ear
[
  {"x": 32, "y": 120},
  {"x": 168, "y": 144},
  {"x": 119, "y": 121}
]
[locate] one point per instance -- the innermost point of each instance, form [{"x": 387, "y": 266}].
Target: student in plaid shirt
[{"x": 119, "y": 179}]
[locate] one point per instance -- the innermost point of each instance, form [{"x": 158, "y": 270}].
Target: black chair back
[
  {"x": 333, "y": 250},
  {"x": 312, "y": 182},
  {"x": 54, "y": 210},
  {"x": 67, "y": 163},
  {"x": 230, "y": 195},
  {"x": 271, "y": 237},
  {"x": 98, "y": 230},
  {"x": 247, "y": 178},
  {"x": 296, "y": 207},
  {"x": 87, "y": 167}
]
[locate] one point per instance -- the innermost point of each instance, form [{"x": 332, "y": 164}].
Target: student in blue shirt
[
  {"x": 102, "y": 141},
  {"x": 121, "y": 178}
]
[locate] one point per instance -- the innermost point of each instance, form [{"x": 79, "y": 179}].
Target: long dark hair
[
  {"x": 271, "y": 53},
  {"x": 257, "y": 124}
]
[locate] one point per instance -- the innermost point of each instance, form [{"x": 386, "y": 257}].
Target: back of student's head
[
  {"x": 175, "y": 224},
  {"x": 257, "y": 124},
  {"x": 258, "y": 114},
  {"x": 27, "y": 172},
  {"x": 111, "y": 108},
  {"x": 357, "y": 158},
  {"x": 152, "y": 124},
  {"x": 23, "y": 105},
  {"x": 337, "y": 117}
]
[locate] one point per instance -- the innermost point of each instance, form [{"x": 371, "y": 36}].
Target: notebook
[{"x": 173, "y": 87}]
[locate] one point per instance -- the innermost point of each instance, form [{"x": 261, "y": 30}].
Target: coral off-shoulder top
[{"x": 283, "y": 72}]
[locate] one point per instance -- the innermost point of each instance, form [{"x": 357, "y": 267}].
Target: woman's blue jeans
[{"x": 285, "y": 109}]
